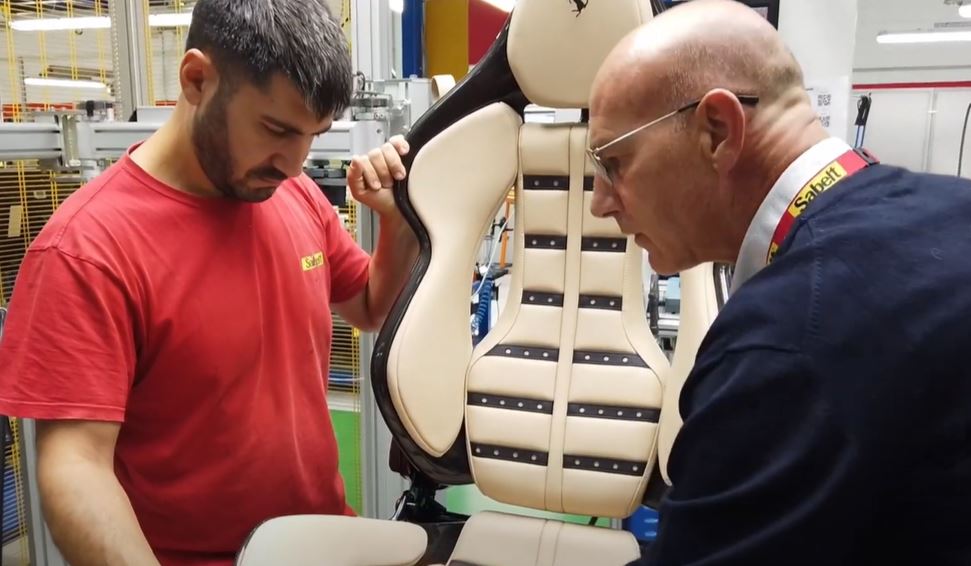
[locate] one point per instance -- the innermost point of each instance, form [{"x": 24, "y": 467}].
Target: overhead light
[
  {"x": 397, "y": 6},
  {"x": 58, "y": 24},
  {"x": 504, "y": 5},
  {"x": 64, "y": 83},
  {"x": 173, "y": 20},
  {"x": 924, "y": 37},
  {"x": 965, "y": 11}
]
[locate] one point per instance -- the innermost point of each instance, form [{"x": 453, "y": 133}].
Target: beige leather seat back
[
  {"x": 703, "y": 293},
  {"x": 558, "y": 407}
]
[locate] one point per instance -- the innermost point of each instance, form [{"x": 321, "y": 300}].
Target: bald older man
[{"x": 828, "y": 417}]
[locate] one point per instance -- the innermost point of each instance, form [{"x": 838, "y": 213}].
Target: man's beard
[{"x": 210, "y": 139}]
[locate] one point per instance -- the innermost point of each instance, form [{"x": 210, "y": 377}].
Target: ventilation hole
[
  {"x": 614, "y": 245},
  {"x": 508, "y": 351},
  {"x": 635, "y": 468},
  {"x": 526, "y": 353},
  {"x": 540, "y": 407},
  {"x": 620, "y": 413},
  {"x": 638, "y": 415},
  {"x": 625, "y": 360},
  {"x": 535, "y": 242},
  {"x": 515, "y": 454},
  {"x": 596, "y": 244},
  {"x": 606, "y": 358},
  {"x": 596, "y": 464},
  {"x": 532, "y": 298},
  {"x": 552, "y": 242},
  {"x": 582, "y": 410},
  {"x": 549, "y": 300},
  {"x": 612, "y": 303},
  {"x": 593, "y": 301},
  {"x": 533, "y": 457},
  {"x": 478, "y": 450},
  {"x": 600, "y": 411},
  {"x": 616, "y": 466},
  {"x": 587, "y": 357},
  {"x": 520, "y": 403},
  {"x": 495, "y": 452},
  {"x": 576, "y": 462},
  {"x": 485, "y": 400},
  {"x": 546, "y": 354},
  {"x": 502, "y": 402}
]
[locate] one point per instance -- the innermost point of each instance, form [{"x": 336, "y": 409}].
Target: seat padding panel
[
  {"x": 573, "y": 338},
  {"x": 497, "y": 538},
  {"x": 457, "y": 181}
]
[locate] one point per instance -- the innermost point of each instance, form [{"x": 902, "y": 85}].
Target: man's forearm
[
  {"x": 391, "y": 264},
  {"x": 91, "y": 518}
]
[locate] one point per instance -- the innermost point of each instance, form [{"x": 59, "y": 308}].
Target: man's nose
[
  {"x": 604, "y": 203},
  {"x": 290, "y": 161}
]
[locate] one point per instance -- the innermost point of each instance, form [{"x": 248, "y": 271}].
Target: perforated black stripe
[
  {"x": 609, "y": 359},
  {"x": 525, "y": 352},
  {"x": 542, "y": 299},
  {"x": 489, "y": 400},
  {"x": 546, "y": 183},
  {"x": 519, "y": 455},
  {"x": 590, "y": 244},
  {"x": 604, "y": 465},
  {"x": 601, "y": 302},
  {"x": 543, "y": 242},
  {"x": 639, "y": 414}
]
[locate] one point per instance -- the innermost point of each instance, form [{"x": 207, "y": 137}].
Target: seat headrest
[{"x": 557, "y": 46}]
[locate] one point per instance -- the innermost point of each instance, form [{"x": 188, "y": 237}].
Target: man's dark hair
[{"x": 254, "y": 39}]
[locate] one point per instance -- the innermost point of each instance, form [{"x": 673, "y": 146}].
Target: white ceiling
[{"x": 876, "y": 16}]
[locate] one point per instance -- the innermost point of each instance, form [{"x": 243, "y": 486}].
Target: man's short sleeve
[
  {"x": 349, "y": 264},
  {"x": 68, "y": 349}
]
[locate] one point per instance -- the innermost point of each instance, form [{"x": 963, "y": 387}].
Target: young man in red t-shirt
[{"x": 171, "y": 326}]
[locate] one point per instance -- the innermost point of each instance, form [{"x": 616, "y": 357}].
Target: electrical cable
[
  {"x": 492, "y": 254},
  {"x": 862, "y": 117},
  {"x": 964, "y": 136}
]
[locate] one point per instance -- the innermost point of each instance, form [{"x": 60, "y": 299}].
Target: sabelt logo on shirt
[
  {"x": 820, "y": 183},
  {"x": 312, "y": 262}
]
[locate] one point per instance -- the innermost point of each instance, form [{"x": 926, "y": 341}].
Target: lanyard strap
[{"x": 840, "y": 169}]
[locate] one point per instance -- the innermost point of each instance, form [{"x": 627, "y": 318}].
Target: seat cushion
[
  {"x": 494, "y": 539},
  {"x": 311, "y": 540}
]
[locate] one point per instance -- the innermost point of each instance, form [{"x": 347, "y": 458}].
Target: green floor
[{"x": 347, "y": 428}]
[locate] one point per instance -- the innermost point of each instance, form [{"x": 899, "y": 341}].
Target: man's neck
[
  {"x": 776, "y": 139},
  {"x": 169, "y": 156}
]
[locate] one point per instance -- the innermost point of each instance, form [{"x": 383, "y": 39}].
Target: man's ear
[
  {"x": 721, "y": 123},
  {"x": 198, "y": 76}
]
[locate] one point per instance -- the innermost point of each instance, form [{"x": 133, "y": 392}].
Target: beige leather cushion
[
  {"x": 699, "y": 307},
  {"x": 555, "y": 52},
  {"x": 497, "y": 539},
  {"x": 457, "y": 182},
  {"x": 312, "y": 540},
  {"x": 553, "y": 155}
]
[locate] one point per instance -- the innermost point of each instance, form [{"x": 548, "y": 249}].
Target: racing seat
[{"x": 558, "y": 407}]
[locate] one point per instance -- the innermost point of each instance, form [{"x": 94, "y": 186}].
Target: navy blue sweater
[{"x": 828, "y": 417}]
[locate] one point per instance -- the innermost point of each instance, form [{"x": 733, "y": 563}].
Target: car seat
[{"x": 559, "y": 407}]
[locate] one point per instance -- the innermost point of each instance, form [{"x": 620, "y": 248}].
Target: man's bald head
[
  {"x": 688, "y": 186},
  {"x": 693, "y": 48}
]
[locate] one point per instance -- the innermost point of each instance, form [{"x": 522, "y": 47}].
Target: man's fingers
[
  {"x": 362, "y": 175},
  {"x": 393, "y": 161},
  {"x": 377, "y": 159},
  {"x": 400, "y": 144}
]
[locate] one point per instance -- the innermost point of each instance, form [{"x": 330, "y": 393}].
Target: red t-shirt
[{"x": 204, "y": 326}]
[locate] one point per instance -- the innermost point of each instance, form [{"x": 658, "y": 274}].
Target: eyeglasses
[{"x": 608, "y": 173}]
